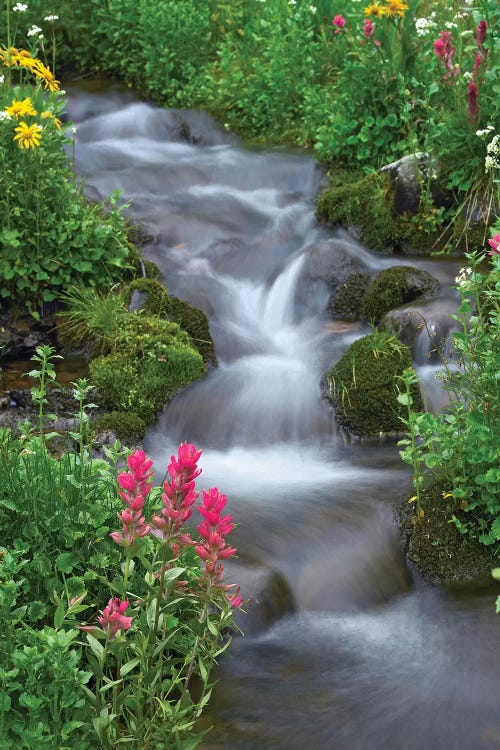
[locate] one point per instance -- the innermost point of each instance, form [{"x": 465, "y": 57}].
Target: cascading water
[{"x": 368, "y": 660}]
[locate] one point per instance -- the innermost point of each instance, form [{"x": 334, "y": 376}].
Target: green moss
[
  {"x": 440, "y": 553},
  {"x": 367, "y": 204},
  {"x": 145, "y": 386},
  {"x": 362, "y": 386},
  {"x": 127, "y": 426},
  {"x": 347, "y": 303},
  {"x": 394, "y": 287},
  {"x": 140, "y": 266},
  {"x": 152, "y": 360},
  {"x": 156, "y": 301},
  {"x": 195, "y": 322}
]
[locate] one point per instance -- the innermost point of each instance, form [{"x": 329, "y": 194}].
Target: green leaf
[
  {"x": 129, "y": 666},
  {"x": 59, "y": 615},
  {"x": 37, "y": 610},
  {"x": 66, "y": 561},
  {"x": 97, "y": 648}
]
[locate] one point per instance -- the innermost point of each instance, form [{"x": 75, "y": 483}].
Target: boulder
[{"x": 362, "y": 386}]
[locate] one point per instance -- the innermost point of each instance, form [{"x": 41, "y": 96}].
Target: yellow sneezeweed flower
[
  {"x": 376, "y": 10},
  {"x": 20, "y": 108},
  {"x": 395, "y": 8},
  {"x": 28, "y": 136},
  {"x": 41, "y": 71},
  {"x": 49, "y": 116}
]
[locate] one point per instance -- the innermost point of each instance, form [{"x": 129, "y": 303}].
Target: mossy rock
[
  {"x": 366, "y": 204},
  {"x": 435, "y": 547},
  {"x": 347, "y": 302},
  {"x": 156, "y": 300},
  {"x": 362, "y": 386},
  {"x": 145, "y": 386},
  {"x": 127, "y": 426},
  {"x": 195, "y": 322},
  {"x": 141, "y": 267},
  {"x": 395, "y": 287},
  {"x": 148, "y": 335}
]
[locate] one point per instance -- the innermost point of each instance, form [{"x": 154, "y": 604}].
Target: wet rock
[
  {"x": 21, "y": 334},
  {"x": 269, "y": 595},
  {"x": 395, "y": 287}
]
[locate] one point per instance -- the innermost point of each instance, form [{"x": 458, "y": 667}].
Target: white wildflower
[
  {"x": 467, "y": 75},
  {"x": 34, "y": 31},
  {"x": 486, "y": 131},
  {"x": 450, "y": 25},
  {"x": 313, "y": 9},
  {"x": 2, "y": 79},
  {"x": 5, "y": 116},
  {"x": 73, "y": 131},
  {"x": 424, "y": 25},
  {"x": 20, "y": 8},
  {"x": 51, "y": 18}
]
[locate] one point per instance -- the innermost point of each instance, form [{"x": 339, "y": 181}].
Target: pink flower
[
  {"x": 494, "y": 243},
  {"x": 113, "y": 618},
  {"x": 178, "y": 497},
  {"x": 472, "y": 106},
  {"x": 135, "y": 486},
  {"x": 339, "y": 22},
  {"x": 444, "y": 49},
  {"x": 481, "y": 33},
  {"x": 368, "y": 28},
  {"x": 235, "y": 600},
  {"x": 213, "y": 529}
]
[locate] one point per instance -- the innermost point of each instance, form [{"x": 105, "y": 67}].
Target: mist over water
[{"x": 370, "y": 658}]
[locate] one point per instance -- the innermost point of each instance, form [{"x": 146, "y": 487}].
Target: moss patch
[
  {"x": 439, "y": 552},
  {"x": 195, "y": 322},
  {"x": 347, "y": 302},
  {"x": 394, "y": 287},
  {"x": 153, "y": 358},
  {"x": 368, "y": 204},
  {"x": 156, "y": 299},
  {"x": 362, "y": 386},
  {"x": 127, "y": 426}
]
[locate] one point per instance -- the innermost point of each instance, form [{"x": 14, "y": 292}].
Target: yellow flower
[
  {"x": 395, "y": 8},
  {"x": 376, "y": 10},
  {"x": 49, "y": 116},
  {"x": 28, "y": 136},
  {"x": 20, "y": 108},
  {"x": 49, "y": 82}
]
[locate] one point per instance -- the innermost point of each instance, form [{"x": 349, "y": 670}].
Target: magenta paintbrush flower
[
  {"x": 179, "y": 496},
  {"x": 135, "y": 486},
  {"x": 112, "y": 619}
]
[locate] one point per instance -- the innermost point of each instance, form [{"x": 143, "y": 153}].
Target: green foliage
[
  {"x": 362, "y": 385},
  {"x": 461, "y": 447},
  {"x": 91, "y": 316}
]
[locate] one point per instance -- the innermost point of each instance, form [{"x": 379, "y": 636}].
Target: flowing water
[{"x": 370, "y": 658}]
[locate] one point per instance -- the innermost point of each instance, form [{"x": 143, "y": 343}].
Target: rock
[
  {"x": 347, "y": 301},
  {"x": 394, "y": 287},
  {"x": 362, "y": 386},
  {"x": 20, "y": 335},
  {"x": 269, "y": 596},
  {"x": 408, "y": 175}
]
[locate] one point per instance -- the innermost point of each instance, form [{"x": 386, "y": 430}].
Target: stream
[{"x": 370, "y": 657}]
